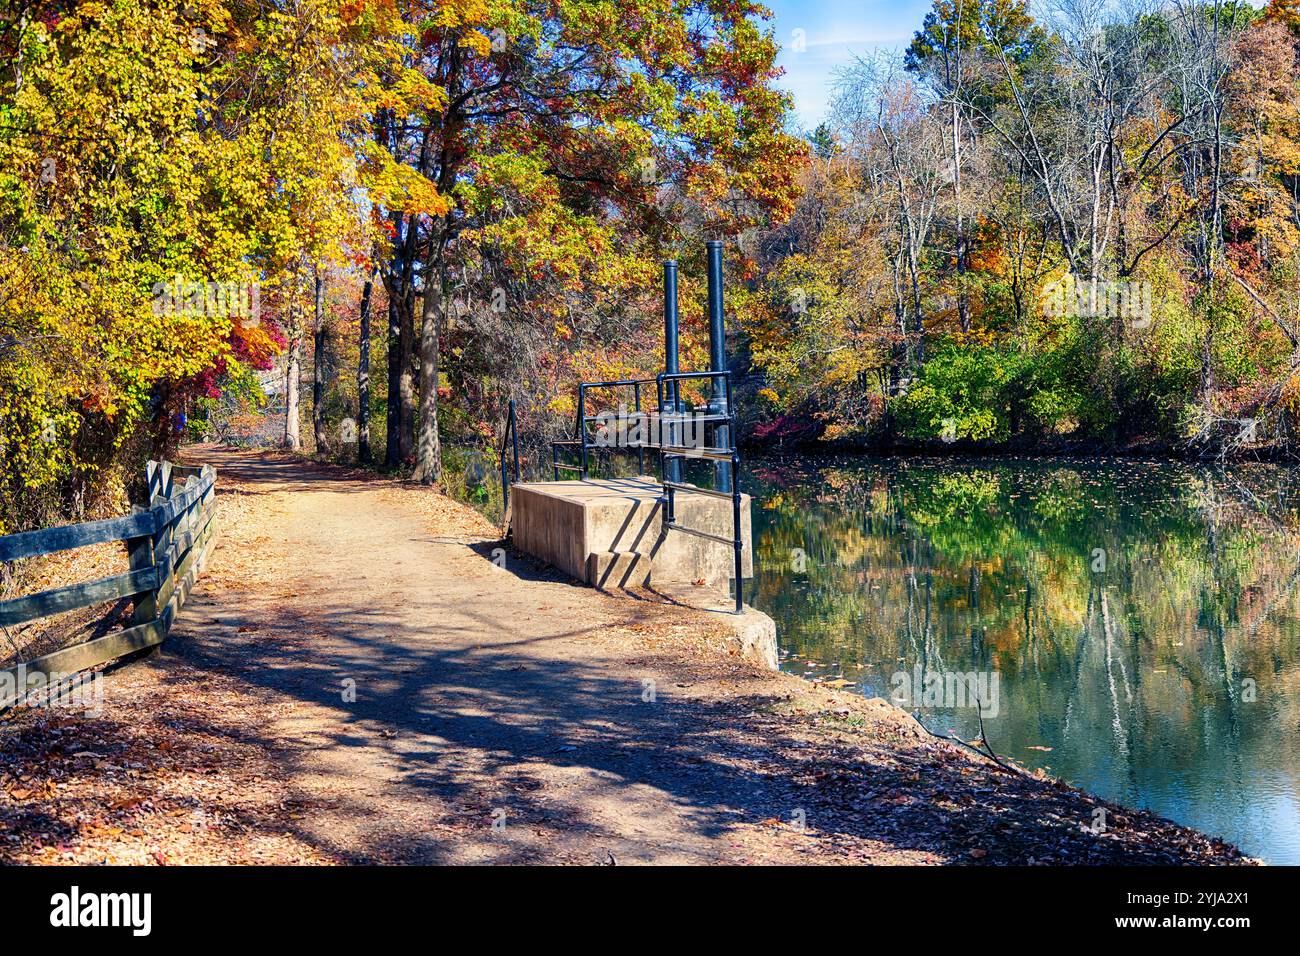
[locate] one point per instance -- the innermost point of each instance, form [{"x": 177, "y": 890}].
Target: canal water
[{"x": 1133, "y": 628}]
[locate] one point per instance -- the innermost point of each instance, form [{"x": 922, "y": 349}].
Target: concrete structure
[{"x": 610, "y": 533}]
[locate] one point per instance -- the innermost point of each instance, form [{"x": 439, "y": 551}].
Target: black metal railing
[
  {"x": 667, "y": 428},
  {"x": 509, "y": 437},
  {"x": 579, "y": 440},
  {"x": 667, "y": 423}
]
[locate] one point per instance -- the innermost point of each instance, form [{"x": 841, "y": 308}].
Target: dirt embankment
[{"x": 357, "y": 680}]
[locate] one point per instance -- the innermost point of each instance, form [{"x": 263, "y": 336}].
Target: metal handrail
[
  {"x": 689, "y": 451},
  {"x": 667, "y": 418},
  {"x": 619, "y": 381},
  {"x": 696, "y": 489},
  {"x": 669, "y": 451}
]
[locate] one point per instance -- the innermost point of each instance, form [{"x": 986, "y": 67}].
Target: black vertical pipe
[
  {"x": 717, "y": 331},
  {"x": 505, "y": 482},
  {"x": 718, "y": 363},
  {"x": 514, "y": 434},
  {"x": 737, "y": 544},
  {"x": 670, "y": 405},
  {"x": 670, "y": 317},
  {"x": 582, "y": 426}
]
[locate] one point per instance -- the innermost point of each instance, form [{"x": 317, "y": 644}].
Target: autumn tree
[
  {"x": 109, "y": 191},
  {"x": 952, "y": 50},
  {"x": 571, "y": 140},
  {"x": 151, "y": 153}
]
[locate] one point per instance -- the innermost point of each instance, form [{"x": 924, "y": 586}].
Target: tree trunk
[
  {"x": 918, "y": 308},
  {"x": 320, "y": 371},
  {"x": 406, "y": 383},
  {"x": 392, "y": 449},
  {"x": 401, "y": 353},
  {"x": 428, "y": 467},
  {"x": 963, "y": 299},
  {"x": 292, "y": 373},
  {"x": 363, "y": 378},
  {"x": 393, "y": 283},
  {"x": 406, "y": 337}
]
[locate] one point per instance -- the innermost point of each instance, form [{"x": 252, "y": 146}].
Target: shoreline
[
  {"x": 597, "y": 728},
  {"x": 1156, "y": 453}
]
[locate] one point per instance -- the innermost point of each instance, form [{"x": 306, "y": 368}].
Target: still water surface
[{"x": 1137, "y": 625}]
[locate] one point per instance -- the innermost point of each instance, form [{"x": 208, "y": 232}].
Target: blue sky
[{"x": 834, "y": 32}]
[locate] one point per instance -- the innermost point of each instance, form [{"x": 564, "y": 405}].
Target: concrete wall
[{"x": 620, "y": 522}]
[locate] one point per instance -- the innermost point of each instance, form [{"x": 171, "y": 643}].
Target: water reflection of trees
[{"x": 1133, "y": 675}]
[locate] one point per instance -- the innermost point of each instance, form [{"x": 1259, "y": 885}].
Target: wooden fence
[{"x": 167, "y": 546}]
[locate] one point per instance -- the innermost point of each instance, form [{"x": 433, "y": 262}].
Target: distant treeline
[{"x": 1075, "y": 231}]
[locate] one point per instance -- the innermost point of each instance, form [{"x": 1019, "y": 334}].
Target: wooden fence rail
[{"x": 167, "y": 548}]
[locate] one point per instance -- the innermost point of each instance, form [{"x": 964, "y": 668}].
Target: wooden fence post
[
  {"x": 162, "y": 542},
  {"x": 208, "y": 497},
  {"x": 183, "y": 527},
  {"x": 159, "y": 476},
  {"x": 143, "y": 552},
  {"x": 140, "y": 552}
]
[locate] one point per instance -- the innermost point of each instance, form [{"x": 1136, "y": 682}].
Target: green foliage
[
  {"x": 1081, "y": 167},
  {"x": 962, "y": 393},
  {"x": 142, "y": 142}
]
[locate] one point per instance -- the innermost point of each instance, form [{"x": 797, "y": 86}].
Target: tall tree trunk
[
  {"x": 898, "y": 354},
  {"x": 320, "y": 371},
  {"x": 393, "y": 273},
  {"x": 406, "y": 327},
  {"x": 1213, "y": 246},
  {"x": 428, "y": 467},
  {"x": 1207, "y": 384},
  {"x": 918, "y": 308},
  {"x": 401, "y": 352},
  {"x": 292, "y": 374},
  {"x": 392, "y": 450},
  {"x": 963, "y": 254},
  {"x": 406, "y": 382},
  {"x": 363, "y": 377}
]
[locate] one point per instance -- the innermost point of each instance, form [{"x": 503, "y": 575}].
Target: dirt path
[{"x": 500, "y": 715}]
